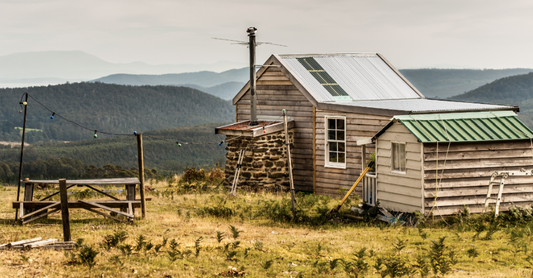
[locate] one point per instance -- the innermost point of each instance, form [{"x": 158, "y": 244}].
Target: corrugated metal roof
[
  {"x": 423, "y": 105},
  {"x": 464, "y": 127},
  {"x": 362, "y": 76}
]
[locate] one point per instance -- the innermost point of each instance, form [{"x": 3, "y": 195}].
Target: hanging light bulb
[
  {"x": 135, "y": 133},
  {"x": 95, "y": 135},
  {"x": 52, "y": 116},
  {"x": 264, "y": 131},
  {"x": 221, "y": 142},
  {"x": 179, "y": 145}
]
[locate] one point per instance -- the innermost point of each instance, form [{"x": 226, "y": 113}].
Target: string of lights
[{"x": 178, "y": 142}]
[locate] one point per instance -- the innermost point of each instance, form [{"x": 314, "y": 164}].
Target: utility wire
[
  {"x": 135, "y": 133},
  {"x": 75, "y": 123}
]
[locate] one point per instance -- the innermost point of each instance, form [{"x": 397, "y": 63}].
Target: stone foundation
[{"x": 265, "y": 163}]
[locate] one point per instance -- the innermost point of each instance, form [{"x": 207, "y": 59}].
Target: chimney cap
[{"x": 251, "y": 30}]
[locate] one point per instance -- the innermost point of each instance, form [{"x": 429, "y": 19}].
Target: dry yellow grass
[{"x": 293, "y": 249}]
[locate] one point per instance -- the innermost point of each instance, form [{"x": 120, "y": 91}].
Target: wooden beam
[
  {"x": 22, "y": 242},
  {"x": 141, "y": 173},
  {"x": 40, "y": 216},
  {"x": 64, "y": 209},
  {"x": 50, "y": 196},
  {"x": 56, "y": 204},
  {"x": 104, "y": 214},
  {"x": 101, "y": 192},
  {"x": 41, "y": 243},
  {"x": 112, "y": 181},
  {"x": 93, "y": 204},
  {"x": 291, "y": 180},
  {"x": 78, "y": 204}
]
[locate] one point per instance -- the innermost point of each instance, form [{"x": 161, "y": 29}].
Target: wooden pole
[
  {"x": 22, "y": 151},
  {"x": 287, "y": 143},
  {"x": 251, "y": 46},
  {"x": 64, "y": 209},
  {"x": 141, "y": 172}
]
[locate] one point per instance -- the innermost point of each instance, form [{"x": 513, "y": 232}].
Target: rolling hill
[
  {"x": 515, "y": 90},
  {"x": 109, "y": 108},
  {"x": 445, "y": 83}
]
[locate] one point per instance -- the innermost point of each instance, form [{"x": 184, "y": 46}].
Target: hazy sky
[{"x": 410, "y": 33}]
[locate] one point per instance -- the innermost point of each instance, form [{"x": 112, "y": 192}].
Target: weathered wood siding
[
  {"x": 329, "y": 180},
  {"x": 399, "y": 191},
  {"x": 276, "y": 92},
  {"x": 464, "y": 173}
]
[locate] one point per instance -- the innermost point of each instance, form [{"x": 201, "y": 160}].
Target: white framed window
[
  {"x": 398, "y": 157},
  {"x": 335, "y": 128}
]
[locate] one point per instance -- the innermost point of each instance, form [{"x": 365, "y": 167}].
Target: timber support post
[
  {"x": 141, "y": 173},
  {"x": 25, "y": 104},
  {"x": 64, "y": 209},
  {"x": 288, "y": 145}
]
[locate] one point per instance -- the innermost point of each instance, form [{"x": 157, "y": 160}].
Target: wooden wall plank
[{"x": 464, "y": 175}]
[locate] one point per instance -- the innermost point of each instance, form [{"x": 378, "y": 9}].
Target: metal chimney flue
[{"x": 252, "y": 44}]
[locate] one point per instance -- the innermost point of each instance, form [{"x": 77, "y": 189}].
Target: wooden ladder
[
  {"x": 233, "y": 191},
  {"x": 504, "y": 175}
]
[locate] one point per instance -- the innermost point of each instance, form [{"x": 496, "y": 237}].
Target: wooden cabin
[
  {"x": 335, "y": 100},
  {"x": 439, "y": 163}
]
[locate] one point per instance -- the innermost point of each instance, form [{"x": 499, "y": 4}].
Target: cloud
[{"x": 411, "y": 33}]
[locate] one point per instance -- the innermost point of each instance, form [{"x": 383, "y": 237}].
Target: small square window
[{"x": 398, "y": 157}]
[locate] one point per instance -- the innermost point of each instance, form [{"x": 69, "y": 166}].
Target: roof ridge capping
[
  {"x": 449, "y": 116},
  {"x": 350, "y": 54}
]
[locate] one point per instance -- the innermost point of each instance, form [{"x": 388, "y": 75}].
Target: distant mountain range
[
  {"x": 224, "y": 85},
  {"x": 57, "y": 67},
  {"x": 433, "y": 83},
  {"x": 61, "y": 66}
]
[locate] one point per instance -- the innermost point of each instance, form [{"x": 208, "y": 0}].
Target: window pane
[
  {"x": 340, "y": 124},
  {"x": 332, "y": 146},
  {"x": 332, "y": 157},
  {"x": 398, "y": 157},
  {"x": 340, "y": 135},
  {"x": 341, "y": 157},
  {"x": 331, "y": 123},
  {"x": 394, "y": 156},
  {"x": 402, "y": 156},
  {"x": 341, "y": 147},
  {"x": 331, "y": 135}
]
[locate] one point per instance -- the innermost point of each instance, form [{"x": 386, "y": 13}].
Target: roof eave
[{"x": 338, "y": 106}]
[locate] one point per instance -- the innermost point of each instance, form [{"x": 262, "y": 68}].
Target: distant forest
[
  {"x": 107, "y": 107},
  {"x": 112, "y": 157}
]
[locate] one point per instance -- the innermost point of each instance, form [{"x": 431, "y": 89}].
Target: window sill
[
  {"x": 398, "y": 172},
  {"x": 339, "y": 166}
]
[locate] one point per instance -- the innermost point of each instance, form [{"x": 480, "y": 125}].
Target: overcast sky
[{"x": 410, "y": 33}]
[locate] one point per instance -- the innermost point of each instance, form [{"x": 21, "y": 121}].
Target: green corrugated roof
[{"x": 464, "y": 127}]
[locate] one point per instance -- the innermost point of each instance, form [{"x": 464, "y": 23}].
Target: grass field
[{"x": 194, "y": 230}]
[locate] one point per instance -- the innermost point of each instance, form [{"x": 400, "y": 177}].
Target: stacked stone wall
[{"x": 265, "y": 163}]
